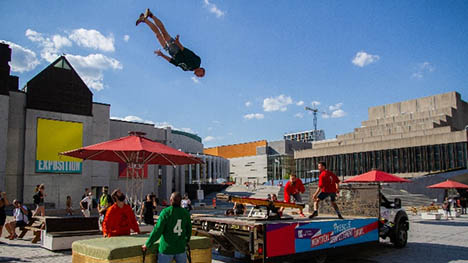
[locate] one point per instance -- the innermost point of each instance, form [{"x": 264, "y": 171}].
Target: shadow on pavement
[
  {"x": 8, "y": 259},
  {"x": 21, "y": 246},
  {"x": 413, "y": 252},
  {"x": 443, "y": 223}
]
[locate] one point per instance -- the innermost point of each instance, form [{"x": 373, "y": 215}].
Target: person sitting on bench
[{"x": 20, "y": 219}]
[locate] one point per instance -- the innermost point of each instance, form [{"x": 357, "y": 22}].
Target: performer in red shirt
[
  {"x": 292, "y": 191},
  {"x": 120, "y": 218},
  {"x": 328, "y": 187}
]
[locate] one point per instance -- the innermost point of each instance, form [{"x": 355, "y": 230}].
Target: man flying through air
[{"x": 180, "y": 56}]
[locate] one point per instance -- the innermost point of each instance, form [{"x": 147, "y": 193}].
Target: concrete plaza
[{"x": 429, "y": 241}]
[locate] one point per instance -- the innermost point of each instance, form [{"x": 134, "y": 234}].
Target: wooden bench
[
  {"x": 36, "y": 224},
  {"x": 60, "y": 232}
]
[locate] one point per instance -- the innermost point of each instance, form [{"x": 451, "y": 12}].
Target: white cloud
[
  {"x": 93, "y": 39},
  {"x": 257, "y": 116},
  {"x": 91, "y": 67},
  {"x": 335, "y": 111},
  {"x": 248, "y": 104},
  {"x": 160, "y": 125},
  {"x": 299, "y": 115},
  {"x": 60, "y": 41},
  {"x": 133, "y": 119},
  {"x": 279, "y": 103},
  {"x": 210, "y": 128},
  {"x": 209, "y": 139},
  {"x": 363, "y": 59},
  {"x": 315, "y": 103},
  {"x": 50, "y": 45},
  {"x": 422, "y": 69},
  {"x": 335, "y": 107},
  {"x": 213, "y": 9},
  {"x": 126, "y": 38},
  {"x": 195, "y": 80},
  {"x": 22, "y": 59},
  {"x": 300, "y": 103}
]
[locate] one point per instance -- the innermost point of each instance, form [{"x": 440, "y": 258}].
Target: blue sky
[{"x": 265, "y": 60}]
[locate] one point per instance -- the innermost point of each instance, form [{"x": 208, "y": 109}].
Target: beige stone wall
[
  {"x": 354, "y": 200},
  {"x": 438, "y": 119}
]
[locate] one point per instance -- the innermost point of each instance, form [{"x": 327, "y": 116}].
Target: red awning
[{"x": 376, "y": 176}]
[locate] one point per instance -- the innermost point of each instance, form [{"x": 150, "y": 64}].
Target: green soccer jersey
[{"x": 174, "y": 228}]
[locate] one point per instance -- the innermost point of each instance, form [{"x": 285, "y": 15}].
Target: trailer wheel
[
  {"x": 320, "y": 259},
  {"x": 399, "y": 237}
]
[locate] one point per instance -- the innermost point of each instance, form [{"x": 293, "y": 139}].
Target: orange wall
[{"x": 235, "y": 150}]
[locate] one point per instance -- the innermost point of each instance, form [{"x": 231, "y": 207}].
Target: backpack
[
  {"x": 29, "y": 215},
  {"x": 37, "y": 198}
]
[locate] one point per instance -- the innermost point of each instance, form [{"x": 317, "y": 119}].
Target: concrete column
[
  {"x": 210, "y": 170},
  {"x": 205, "y": 168},
  {"x": 4, "y": 112},
  {"x": 166, "y": 187},
  {"x": 177, "y": 178},
  {"x": 182, "y": 179},
  {"x": 197, "y": 171},
  {"x": 190, "y": 174}
]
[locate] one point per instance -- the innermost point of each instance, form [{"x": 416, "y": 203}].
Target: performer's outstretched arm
[{"x": 159, "y": 53}]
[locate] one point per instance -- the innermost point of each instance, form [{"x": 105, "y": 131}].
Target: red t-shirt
[
  {"x": 119, "y": 221},
  {"x": 328, "y": 181},
  {"x": 291, "y": 189}
]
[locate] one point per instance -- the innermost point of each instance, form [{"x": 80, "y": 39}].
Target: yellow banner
[{"x": 54, "y": 137}]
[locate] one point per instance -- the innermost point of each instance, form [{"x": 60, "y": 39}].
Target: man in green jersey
[{"x": 174, "y": 228}]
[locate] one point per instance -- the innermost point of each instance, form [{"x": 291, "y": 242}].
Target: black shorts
[
  {"x": 20, "y": 224},
  {"x": 323, "y": 195},
  {"x": 2, "y": 220}
]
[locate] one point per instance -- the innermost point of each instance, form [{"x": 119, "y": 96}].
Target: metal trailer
[{"x": 290, "y": 238}]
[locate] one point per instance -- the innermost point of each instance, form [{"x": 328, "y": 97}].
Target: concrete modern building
[
  {"x": 55, "y": 113},
  {"x": 306, "y": 136},
  {"x": 259, "y": 161},
  {"x": 409, "y": 138}
]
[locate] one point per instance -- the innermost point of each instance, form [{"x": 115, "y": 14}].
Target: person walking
[
  {"x": 180, "y": 56},
  {"x": 174, "y": 228},
  {"x": 86, "y": 204},
  {"x": 293, "y": 190},
  {"x": 120, "y": 219},
  {"x": 328, "y": 186},
  {"x": 3, "y": 203},
  {"x": 39, "y": 200},
  {"x": 186, "y": 203},
  {"x": 447, "y": 205},
  {"x": 147, "y": 209},
  {"x": 68, "y": 204}
]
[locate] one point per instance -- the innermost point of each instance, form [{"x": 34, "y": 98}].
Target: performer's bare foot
[
  {"x": 148, "y": 13},
  {"x": 140, "y": 19}
]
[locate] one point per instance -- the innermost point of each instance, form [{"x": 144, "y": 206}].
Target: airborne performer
[{"x": 180, "y": 56}]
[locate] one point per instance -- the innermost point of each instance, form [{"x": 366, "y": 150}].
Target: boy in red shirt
[
  {"x": 120, "y": 218},
  {"x": 328, "y": 187},
  {"x": 292, "y": 190}
]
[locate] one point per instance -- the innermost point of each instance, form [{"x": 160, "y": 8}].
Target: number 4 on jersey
[{"x": 178, "y": 227}]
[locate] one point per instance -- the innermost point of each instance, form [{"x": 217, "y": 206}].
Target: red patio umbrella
[
  {"x": 448, "y": 184},
  {"x": 133, "y": 149},
  {"x": 376, "y": 176},
  {"x": 136, "y": 151}
]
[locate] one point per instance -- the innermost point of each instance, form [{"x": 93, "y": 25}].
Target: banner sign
[
  {"x": 289, "y": 238},
  {"x": 53, "y": 137},
  {"x": 137, "y": 173}
]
